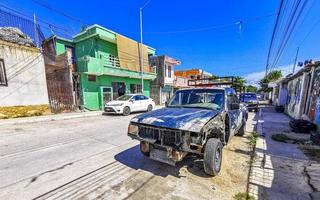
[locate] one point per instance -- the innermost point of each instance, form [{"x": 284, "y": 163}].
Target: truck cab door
[{"x": 234, "y": 113}]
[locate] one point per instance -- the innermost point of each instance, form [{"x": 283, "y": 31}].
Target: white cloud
[{"x": 255, "y": 77}]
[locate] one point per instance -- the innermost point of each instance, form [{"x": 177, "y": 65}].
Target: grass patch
[
  {"x": 243, "y": 196},
  {"x": 23, "y": 111},
  {"x": 253, "y": 139},
  {"x": 280, "y": 137}
]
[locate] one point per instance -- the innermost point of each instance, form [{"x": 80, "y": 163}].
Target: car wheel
[
  {"x": 242, "y": 129},
  {"x": 149, "y": 108},
  {"x": 126, "y": 111},
  {"x": 212, "y": 157}
]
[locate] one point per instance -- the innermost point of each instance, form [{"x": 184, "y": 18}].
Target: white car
[{"x": 128, "y": 103}]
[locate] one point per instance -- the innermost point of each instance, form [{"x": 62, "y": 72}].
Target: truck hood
[{"x": 188, "y": 119}]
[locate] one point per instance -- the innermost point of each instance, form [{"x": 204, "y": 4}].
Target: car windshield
[
  {"x": 198, "y": 98},
  {"x": 125, "y": 97},
  {"x": 248, "y": 96}
]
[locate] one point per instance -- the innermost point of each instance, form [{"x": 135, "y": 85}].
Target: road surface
[{"x": 92, "y": 157}]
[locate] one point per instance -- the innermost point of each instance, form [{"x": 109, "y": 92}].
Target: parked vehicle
[
  {"x": 198, "y": 120},
  {"x": 251, "y": 101},
  {"x": 128, "y": 103}
]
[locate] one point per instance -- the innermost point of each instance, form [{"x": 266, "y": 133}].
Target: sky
[{"x": 225, "y": 48}]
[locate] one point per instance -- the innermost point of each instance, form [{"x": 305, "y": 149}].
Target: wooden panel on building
[{"x": 129, "y": 54}]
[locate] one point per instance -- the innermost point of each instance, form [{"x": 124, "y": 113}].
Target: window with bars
[
  {"x": 114, "y": 60},
  {"x": 169, "y": 71},
  {"x": 135, "y": 88},
  {"x": 3, "y": 75}
]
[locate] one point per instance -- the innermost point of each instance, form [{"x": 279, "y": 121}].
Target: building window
[
  {"x": 92, "y": 78},
  {"x": 135, "y": 88},
  {"x": 165, "y": 70},
  {"x": 3, "y": 76},
  {"x": 114, "y": 60},
  {"x": 169, "y": 71}
]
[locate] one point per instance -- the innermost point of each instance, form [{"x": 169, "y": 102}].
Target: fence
[{"x": 27, "y": 26}]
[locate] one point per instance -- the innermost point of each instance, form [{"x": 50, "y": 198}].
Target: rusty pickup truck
[{"x": 197, "y": 120}]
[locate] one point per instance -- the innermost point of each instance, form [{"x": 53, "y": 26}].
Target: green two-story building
[{"x": 109, "y": 65}]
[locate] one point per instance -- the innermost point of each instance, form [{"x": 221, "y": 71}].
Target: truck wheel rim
[{"x": 217, "y": 159}]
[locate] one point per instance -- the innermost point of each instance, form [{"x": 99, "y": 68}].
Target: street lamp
[{"x": 141, "y": 44}]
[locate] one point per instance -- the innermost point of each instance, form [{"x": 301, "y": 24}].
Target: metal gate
[{"x": 60, "y": 92}]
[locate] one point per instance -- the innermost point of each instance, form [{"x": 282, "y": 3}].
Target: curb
[
  {"x": 56, "y": 117},
  {"x": 258, "y": 160}
]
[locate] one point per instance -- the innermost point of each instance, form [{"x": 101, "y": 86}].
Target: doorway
[{"x": 118, "y": 89}]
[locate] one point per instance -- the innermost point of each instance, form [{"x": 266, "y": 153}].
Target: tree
[
  {"x": 240, "y": 81},
  {"x": 252, "y": 88},
  {"x": 270, "y": 77}
]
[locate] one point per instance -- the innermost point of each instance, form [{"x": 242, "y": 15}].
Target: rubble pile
[{"x": 15, "y": 35}]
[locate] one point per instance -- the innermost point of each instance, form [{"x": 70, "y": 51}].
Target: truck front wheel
[{"x": 212, "y": 157}]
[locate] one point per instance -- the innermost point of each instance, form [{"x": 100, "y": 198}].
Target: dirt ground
[{"x": 187, "y": 180}]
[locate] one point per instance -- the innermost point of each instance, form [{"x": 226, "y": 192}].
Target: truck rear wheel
[{"x": 212, "y": 157}]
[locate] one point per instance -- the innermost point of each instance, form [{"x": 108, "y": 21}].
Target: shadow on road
[{"x": 133, "y": 158}]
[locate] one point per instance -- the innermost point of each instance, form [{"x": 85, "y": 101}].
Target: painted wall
[
  {"x": 91, "y": 91},
  {"x": 93, "y": 48},
  {"x": 61, "y": 46},
  {"x": 25, "y": 72},
  {"x": 294, "y": 97},
  {"x": 314, "y": 103}
]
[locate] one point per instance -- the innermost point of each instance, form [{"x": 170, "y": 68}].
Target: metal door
[{"x": 106, "y": 95}]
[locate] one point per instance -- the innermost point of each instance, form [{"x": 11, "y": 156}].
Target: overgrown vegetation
[
  {"x": 270, "y": 77},
  {"x": 252, "y": 88},
  {"x": 23, "y": 111},
  {"x": 253, "y": 139},
  {"x": 243, "y": 196}
]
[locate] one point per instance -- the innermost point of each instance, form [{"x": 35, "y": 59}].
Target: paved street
[{"x": 93, "y": 157}]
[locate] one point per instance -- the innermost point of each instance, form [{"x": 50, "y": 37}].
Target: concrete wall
[{"x": 25, "y": 72}]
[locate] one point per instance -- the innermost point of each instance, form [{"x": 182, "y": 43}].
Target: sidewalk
[
  {"x": 279, "y": 170},
  {"x": 53, "y": 117}
]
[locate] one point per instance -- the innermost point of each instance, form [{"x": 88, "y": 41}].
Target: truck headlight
[{"x": 133, "y": 129}]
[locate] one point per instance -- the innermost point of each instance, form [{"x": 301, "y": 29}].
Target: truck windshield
[{"x": 198, "y": 98}]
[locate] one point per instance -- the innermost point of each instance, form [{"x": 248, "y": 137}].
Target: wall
[
  {"x": 26, "y": 76},
  {"x": 294, "y": 97},
  {"x": 91, "y": 90},
  {"x": 314, "y": 100}
]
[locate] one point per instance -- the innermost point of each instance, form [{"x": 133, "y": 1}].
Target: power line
[
  {"x": 47, "y": 6},
  {"x": 293, "y": 22},
  {"x": 273, "y": 35},
  {"x": 283, "y": 30},
  {"x": 44, "y": 24},
  {"x": 208, "y": 28}
]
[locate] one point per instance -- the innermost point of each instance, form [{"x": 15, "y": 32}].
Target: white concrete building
[{"x": 22, "y": 75}]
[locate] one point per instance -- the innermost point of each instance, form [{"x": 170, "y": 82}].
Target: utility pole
[
  {"x": 141, "y": 51},
  {"x": 141, "y": 45},
  {"x": 295, "y": 61}
]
